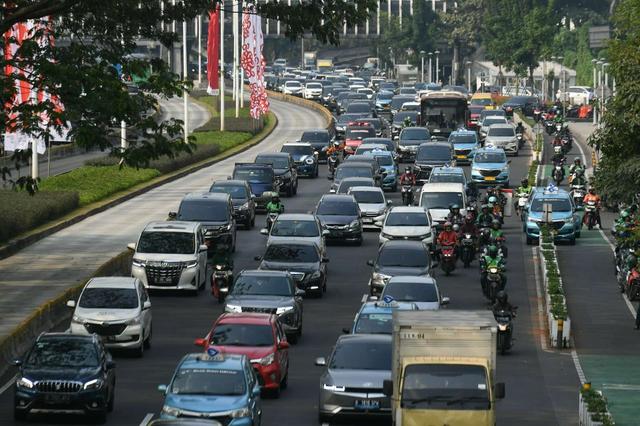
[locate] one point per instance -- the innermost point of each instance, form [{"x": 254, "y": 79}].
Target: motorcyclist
[
  {"x": 592, "y": 196},
  {"x": 577, "y": 166},
  {"x": 490, "y": 259},
  {"x": 275, "y": 206},
  {"x": 502, "y": 304},
  {"x": 221, "y": 259},
  {"x": 408, "y": 177},
  {"x": 495, "y": 208},
  {"x": 448, "y": 237},
  {"x": 496, "y": 232},
  {"x": 468, "y": 226},
  {"x": 524, "y": 187},
  {"x": 454, "y": 215},
  {"x": 520, "y": 128},
  {"x": 485, "y": 217},
  {"x": 336, "y": 148},
  {"x": 472, "y": 191}
]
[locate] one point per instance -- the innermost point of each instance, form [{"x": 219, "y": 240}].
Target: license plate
[
  {"x": 57, "y": 399},
  {"x": 110, "y": 338},
  {"x": 461, "y": 157},
  {"x": 164, "y": 280},
  {"x": 367, "y": 220},
  {"x": 366, "y": 404},
  {"x": 490, "y": 178}
]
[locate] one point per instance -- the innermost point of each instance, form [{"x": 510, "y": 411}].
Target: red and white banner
[
  {"x": 213, "y": 53},
  {"x": 252, "y": 61},
  {"x": 25, "y": 92}
]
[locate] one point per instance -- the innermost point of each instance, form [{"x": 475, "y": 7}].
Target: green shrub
[
  {"x": 558, "y": 307},
  {"x": 20, "y": 212},
  {"x": 96, "y": 183}
]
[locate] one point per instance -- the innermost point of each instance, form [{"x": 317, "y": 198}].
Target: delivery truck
[{"x": 444, "y": 368}]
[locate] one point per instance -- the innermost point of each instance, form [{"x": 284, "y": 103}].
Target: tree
[{"x": 99, "y": 38}]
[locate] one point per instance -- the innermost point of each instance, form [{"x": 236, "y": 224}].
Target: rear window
[
  {"x": 368, "y": 197},
  {"x": 501, "y": 131},
  {"x": 359, "y": 133},
  {"x": 411, "y": 292},
  {"x": 403, "y": 257},
  {"x": 278, "y": 162},
  {"x": 361, "y": 356},
  {"x": 315, "y": 137},
  {"x": 203, "y": 211},
  {"x": 420, "y": 134},
  {"x": 342, "y": 208},
  {"x": 377, "y": 323},
  {"x": 257, "y": 175},
  {"x": 462, "y": 138}
]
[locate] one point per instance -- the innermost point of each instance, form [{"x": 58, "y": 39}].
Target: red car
[
  {"x": 258, "y": 336},
  {"x": 474, "y": 117},
  {"x": 355, "y": 133}
]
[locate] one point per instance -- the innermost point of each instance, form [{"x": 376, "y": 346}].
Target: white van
[{"x": 436, "y": 198}]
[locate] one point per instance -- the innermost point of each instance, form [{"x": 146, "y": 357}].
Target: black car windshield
[
  {"x": 294, "y": 228},
  {"x": 109, "y": 298},
  {"x": 359, "y": 132},
  {"x": 237, "y": 192},
  {"x": 262, "y": 285},
  {"x": 384, "y": 160},
  {"x": 557, "y": 204},
  {"x": 364, "y": 355},
  {"x": 297, "y": 149},
  {"x": 315, "y": 137},
  {"x": 401, "y": 116},
  {"x": 346, "y": 172},
  {"x": 337, "y": 208},
  {"x": 404, "y": 257},
  {"x": 61, "y": 353},
  {"x": 493, "y": 120},
  {"x": 384, "y": 96},
  {"x": 411, "y": 292},
  {"x": 490, "y": 157},
  {"x": 358, "y": 107},
  {"x": 208, "y": 381},
  {"x": 203, "y": 211},
  {"x": 291, "y": 253},
  {"x": 417, "y": 134},
  {"x": 278, "y": 162},
  {"x": 368, "y": 197},
  {"x": 242, "y": 335},
  {"x": 440, "y": 200},
  {"x": 378, "y": 323},
  {"x": 166, "y": 242},
  {"x": 432, "y": 152},
  {"x": 397, "y": 101},
  {"x": 257, "y": 175},
  {"x": 446, "y": 178},
  {"x": 470, "y": 138},
  {"x": 407, "y": 219},
  {"x": 501, "y": 131},
  {"x": 443, "y": 385},
  {"x": 345, "y": 118}
]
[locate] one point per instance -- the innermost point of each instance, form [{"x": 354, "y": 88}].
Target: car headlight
[
  {"x": 245, "y": 206},
  {"x": 333, "y": 388},
  {"x": 316, "y": 275},
  {"x": 309, "y": 161},
  {"x": 267, "y": 360},
  {"x": 171, "y": 411},
  {"x": 243, "y": 412},
  {"x": 24, "y": 383},
  {"x": 380, "y": 278},
  {"x": 191, "y": 264},
  {"x": 283, "y": 309},
  {"x": 233, "y": 308},
  {"x": 77, "y": 319},
  {"x": 423, "y": 236},
  {"x": 385, "y": 235},
  {"x": 355, "y": 224},
  {"x": 93, "y": 384},
  {"x": 138, "y": 262},
  {"x": 133, "y": 321}
]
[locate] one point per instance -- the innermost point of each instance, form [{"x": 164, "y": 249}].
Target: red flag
[{"x": 213, "y": 52}]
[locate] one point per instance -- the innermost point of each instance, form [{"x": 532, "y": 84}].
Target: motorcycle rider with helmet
[
  {"x": 577, "y": 166},
  {"x": 336, "y": 148},
  {"x": 485, "y": 217},
  {"x": 502, "y": 304},
  {"x": 524, "y": 187},
  {"x": 496, "y": 235},
  {"x": 490, "y": 259},
  {"x": 495, "y": 208},
  {"x": 593, "y": 197},
  {"x": 454, "y": 215},
  {"x": 275, "y": 206},
  {"x": 221, "y": 259},
  {"x": 408, "y": 177},
  {"x": 448, "y": 237},
  {"x": 468, "y": 226}
]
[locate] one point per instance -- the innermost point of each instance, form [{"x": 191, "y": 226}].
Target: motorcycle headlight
[
  {"x": 133, "y": 321},
  {"x": 355, "y": 224},
  {"x": 232, "y": 308},
  {"x": 493, "y": 270},
  {"x": 93, "y": 384},
  {"x": 24, "y": 383},
  {"x": 242, "y": 412},
  {"x": 283, "y": 309},
  {"x": 171, "y": 411},
  {"x": 267, "y": 360}
]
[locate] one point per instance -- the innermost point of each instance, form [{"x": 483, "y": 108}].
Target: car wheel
[
  {"x": 253, "y": 220},
  {"x": 290, "y": 190},
  {"x": 572, "y": 241},
  {"x": 293, "y": 338},
  {"x": 529, "y": 241},
  {"x": 147, "y": 341},
  {"x": 394, "y": 188},
  {"x": 319, "y": 292},
  {"x": 19, "y": 415},
  {"x": 274, "y": 393},
  {"x": 295, "y": 188},
  {"x": 359, "y": 241},
  {"x": 516, "y": 153},
  {"x": 323, "y": 418}
]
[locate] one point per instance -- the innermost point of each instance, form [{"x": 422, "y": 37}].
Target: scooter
[
  {"x": 448, "y": 258},
  {"x": 521, "y": 203},
  {"x": 558, "y": 174},
  {"x": 520, "y": 138},
  {"x": 590, "y": 212},
  {"x": 407, "y": 195},
  {"x": 505, "y": 330},
  {"x": 494, "y": 283},
  {"x": 271, "y": 217},
  {"x": 467, "y": 249},
  {"x": 221, "y": 281},
  {"x": 578, "y": 192}
]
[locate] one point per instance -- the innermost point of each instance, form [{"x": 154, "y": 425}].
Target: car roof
[
  {"x": 542, "y": 192},
  {"x": 373, "y": 145},
  {"x": 366, "y": 189},
  {"x": 296, "y": 216},
  {"x": 433, "y": 143},
  {"x": 316, "y": 131},
  {"x": 264, "y": 273},
  {"x": 463, "y": 132},
  {"x": 379, "y": 307},
  {"x": 501, "y": 126},
  {"x": 273, "y": 154},
  {"x": 355, "y": 163},
  {"x": 413, "y": 279},
  {"x": 305, "y": 144},
  {"x": 442, "y": 187},
  {"x": 365, "y": 338},
  {"x": 172, "y": 226},
  {"x": 112, "y": 282},
  {"x": 230, "y": 182},
  {"x": 490, "y": 149},
  {"x": 447, "y": 170},
  {"x": 206, "y": 196},
  {"x": 356, "y": 178},
  {"x": 407, "y": 209},
  {"x": 246, "y": 318},
  {"x": 338, "y": 198},
  {"x": 202, "y": 361}
]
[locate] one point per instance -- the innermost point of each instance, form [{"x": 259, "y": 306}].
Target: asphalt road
[{"x": 541, "y": 384}]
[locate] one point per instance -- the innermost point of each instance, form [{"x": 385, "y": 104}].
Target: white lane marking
[
  {"x": 146, "y": 419},
  {"x": 621, "y": 386},
  {"x": 578, "y": 366},
  {"x": 7, "y": 385}
]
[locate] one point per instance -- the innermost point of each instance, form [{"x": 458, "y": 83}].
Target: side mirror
[
  {"x": 445, "y": 301},
  {"x": 146, "y": 305},
  {"x": 258, "y": 258},
  {"x": 325, "y": 260},
  {"x": 321, "y": 362},
  {"x": 346, "y": 330},
  {"x": 17, "y": 362},
  {"x": 162, "y": 388},
  {"x": 387, "y": 387},
  {"x": 370, "y": 262},
  {"x": 203, "y": 247},
  {"x": 131, "y": 246},
  {"x": 111, "y": 364},
  {"x": 264, "y": 231},
  {"x": 173, "y": 215},
  {"x": 228, "y": 177},
  {"x": 200, "y": 342},
  {"x": 71, "y": 303},
  {"x": 256, "y": 391},
  {"x": 509, "y": 162},
  {"x": 283, "y": 345},
  {"x": 300, "y": 293},
  {"x": 499, "y": 391}
]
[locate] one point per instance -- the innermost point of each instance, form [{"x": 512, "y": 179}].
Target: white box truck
[{"x": 444, "y": 368}]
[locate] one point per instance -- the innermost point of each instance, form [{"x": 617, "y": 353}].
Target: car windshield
[
  {"x": 440, "y": 200},
  {"x": 374, "y": 122},
  {"x": 203, "y": 211},
  {"x": 313, "y": 86},
  {"x": 384, "y": 160},
  {"x": 411, "y": 292},
  {"x": 337, "y": 208},
  {"x": 359, "y": 133},
  {"x": 262, "y": 285},
  {"x": 358, "y": 107},
  {"x": 490, "y": 157},
  {"x": 418, "y": 134},
  {"x": 297, "y": 149},
  {"x": 346, "y": 118},
  {"x": 64, "y": 352},
  {"x": 346, "y": 172},
  {"x": 315, "y": 137},
  {"x": 408, "y": 91},
  {"x": 403, "y": 257},
  {"x": 293, "y": 84},
  {"x": 397, "y": 101},
  {"x": 470, "y": 138},
  {"x": 493, "y": 120},
  {"x": 294, "y": 228},
  {"x": 291, "y": 253},
  {"x": 384, "y": 96},
  {"x": 446, "y": 178},
  {"x": 557, "y": 204},
  {"x": 401, "y": 116},
  {"x": 109, "y": 298},
  {"x": 236, "y": 192},
  {"x": 407, "y": 219},
  {"x": 501, "y": 131},
  {"x": 483, "y": 101},
  {"x": 257, "y": 175},
  {"x": 242, "y": 335},
  {"x": 441, "y": 385},
  {"x": 166, "y": 242},
  {"x": 363, "y": 355},
  {"x": 377, "y": 323},
  {"x": 279, "y": 162},
  {"x": 368, "y": 197},
  {"x": 208, "y": 381},
  {"x": 432, "y": 152}
]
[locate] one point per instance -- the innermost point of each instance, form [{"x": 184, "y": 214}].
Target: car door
[
  {"x": 282, "y": 355},
  {"x": 252, "y": 400},
  {"x": 146, "y": 313},
  {"x": 202, "y": 255}
]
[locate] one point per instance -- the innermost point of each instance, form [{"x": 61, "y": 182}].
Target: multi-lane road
[{"x": 541, "y": 384}]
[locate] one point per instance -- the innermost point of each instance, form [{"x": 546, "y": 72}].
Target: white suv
[
  {"x": 293, "y": 87},
  {"x": 313, "y": 91},
  {"x": 406, "y": 223},
  {"x": 116, "y": 308},
  {"x": 576, "y": 95},
  {"x": 171, "y": 256}
]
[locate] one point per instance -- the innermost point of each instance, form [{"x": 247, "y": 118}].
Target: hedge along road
[{"x": 42, "y": 271}]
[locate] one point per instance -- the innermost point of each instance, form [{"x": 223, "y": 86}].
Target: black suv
[
  {"x": 430, "y": 155},
  {"x": 285, "y": 169},
  {"x": 261, "y": 179},
  {"x": 319, "y": 139},
  {"x": 63, "y": 373},
  {"x": 244, "y": 205}
]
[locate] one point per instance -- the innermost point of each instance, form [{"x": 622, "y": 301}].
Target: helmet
[
  {"x": 468, "y": 218},
  {"x": 592, "y": 190},
  {"x": 493, "y": 200},
  {"x": 454, "y": 207},
  {"x": 456, "y": 227},
  {"x": 577, "y": 160},
  {"x": 336, "y": 143},
  {"x": 631, "y": 261},
  {"x": 486, "y": 232},
  {"x": 275, "y": 198},
  {"x": 484, "y": 206},
  {"x": 447, "y": 225},
  {"x": 502, "y": 297},
  {"x": 525, "y": 182},
  {"x": 492, "y": 251},
  {"x": 624, "y": 214},
  {"x": 495, "y": 224}
]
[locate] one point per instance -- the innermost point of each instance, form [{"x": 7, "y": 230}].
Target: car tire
[
  {"x": 293, "y": 338},
  {"x": 147, "y": 341},
  {"x": 315, "y": 175},
  {"x": 275, "y": 393},
  {"x": 253, "y": 219},
  {"x": 359, "y": 241},
  {"x": 295, "y": 188},
  {"x": 100, "y": 417},
  {"x": 323, "y": 418},
  {"x": 289, "y": 191},
  {"x": 19, "y": 415},
  {"x": 319, "y": 293},
  {"x": 572, "y": 241}
]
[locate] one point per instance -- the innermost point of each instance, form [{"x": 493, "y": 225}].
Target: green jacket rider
[
  {"x": 524, "y": 187},
  {"x": 275, "y": 206}
]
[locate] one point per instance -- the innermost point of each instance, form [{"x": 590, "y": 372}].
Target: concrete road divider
[{"x": 307, "y": 104}]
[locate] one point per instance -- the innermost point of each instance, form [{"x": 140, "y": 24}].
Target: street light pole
[
  {"x": 594, "y": 62},
  {"x": 437, "y": 52},
  {"x": 469, "y": 63},
  {"x": 185, "y": 76},
  {"x": 422, "y": 53},
  {"x": 430, "y": 68}
]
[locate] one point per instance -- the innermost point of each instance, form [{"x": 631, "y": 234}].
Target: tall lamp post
[
  {"x": 422, "y": 53},
  {"x": 594, "y": 62},
  {"x": 561, "y": 83},
  {"x": 469, "y": 63},
  {"x": 604, "y": 83},
  {"x": 599, "y": 66},
  {"x": 430, "y": 67},
  {"x": 437, "y": 52}
]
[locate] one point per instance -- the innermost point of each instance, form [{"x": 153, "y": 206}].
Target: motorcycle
[
  {"x": 578, "y": 192},
  {"x": 494, "y": 283},
  {"x": 632, "y": 289},
  {"x": 448, "y": 258},
  {"x": 407, "y": 195},
  {"x": 521, "y": 203},
  {"x": 549, "y": 126},
  {"x": 520, "y": 138},
  {"x": 467, "y": 249},
  {"x": 558, "y": 174},
  {"x": 505, "y": 330},
  {"x": 332, "y": 164},
  {"x": 590, "y": 214},
  {"x": 221, "y": 281}
]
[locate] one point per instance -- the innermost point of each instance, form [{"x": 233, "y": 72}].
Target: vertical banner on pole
[
  {"x": 213, "y": 53},
  {"x": 253, "y": 62}
]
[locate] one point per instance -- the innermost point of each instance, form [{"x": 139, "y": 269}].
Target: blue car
[
  {"x": 465, "y": 143},
  {"x": 216, "y": 386},
  {"x": 564, "y": 218},
  {"x": 387, "y": 162},
  {"x": 490, "y": 167},
  {"x": 262, "y": 181},
  {"x": 305, "y": 157},
  {"x": 375, "y": 316}
]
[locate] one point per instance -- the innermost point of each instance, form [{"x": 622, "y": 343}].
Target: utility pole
[
  {"x": 222, "y": 68},
  {"x": 185, "y": 76}
]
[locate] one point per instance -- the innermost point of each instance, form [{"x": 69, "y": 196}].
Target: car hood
[
  {"x": 251, "y": 300},
  {"x": 164, "y": 257},
  {"x": 439, "y": 215},
  {"x": 100, "y": 315},
  {"x": 74, "y": 374},
  {"x": 427, "y": 306},
  {"x": 406, "y": 231},
  {"x": 359, "y": 378},
  {"x": 372, "y": 207},
  {"x": 205, "y": 403},
  {"x": 462, "y": 145},
  {"x": 290, "y": 266},
  {"x": 252, "y": 352},
  {"x": 555, "y": 216},
  {"x": 257, "y": 188},
  {"x": 489, "y": 166},
  {"x": 402, "y": 270},
  {"x": 336, "y": 219}
]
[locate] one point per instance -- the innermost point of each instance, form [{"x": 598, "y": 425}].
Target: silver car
[
  {"x": 423, "y": 291},
  {"x": 351, "y": 385},
  {"x": 488, "y": 121},
  {"x": 292, "y": 227},
  {"x": 503, "y": 136},
  {"x": 406, "y": 223},
  {"x": 373, "y": 204},
  {"x": 116, "y": 308}
]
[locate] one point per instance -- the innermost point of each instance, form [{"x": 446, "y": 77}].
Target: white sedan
[{"x": 406, "y": 223}]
